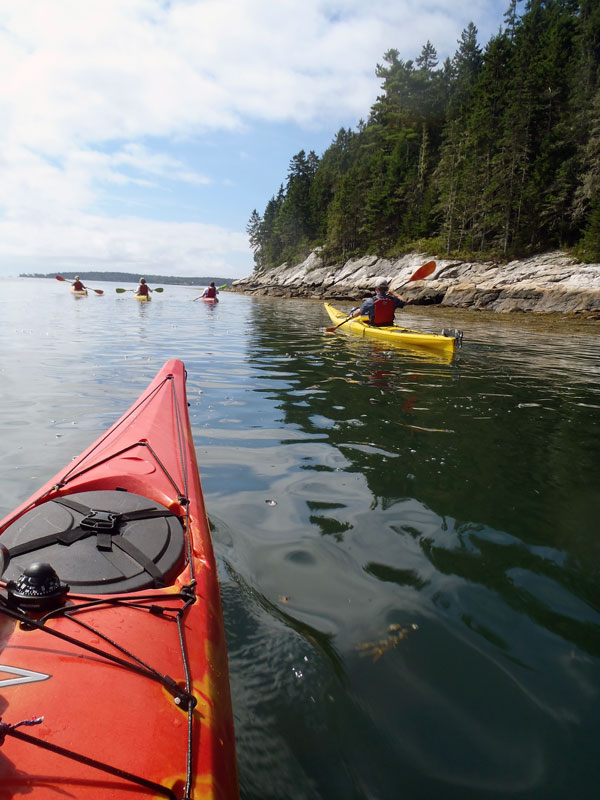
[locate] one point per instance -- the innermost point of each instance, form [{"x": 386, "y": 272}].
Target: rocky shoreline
[{"x": 553, "y": 283}]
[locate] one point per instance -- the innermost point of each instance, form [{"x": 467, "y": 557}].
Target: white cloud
[
  {"x": 88, "y": 86},
  {"x": 142, "y": 160},
  {"x": 131, "y": 244}
]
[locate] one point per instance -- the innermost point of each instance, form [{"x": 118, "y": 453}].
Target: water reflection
[{"x": 444, "y": 491}]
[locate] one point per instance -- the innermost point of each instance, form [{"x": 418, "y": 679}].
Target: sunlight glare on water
[{"x": 408, "y": 547}]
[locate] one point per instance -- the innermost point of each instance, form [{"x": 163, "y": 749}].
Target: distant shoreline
[{"x": 128, "y": 277}]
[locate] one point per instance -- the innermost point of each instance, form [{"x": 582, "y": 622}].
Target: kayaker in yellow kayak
[
  {"x": 381, "y": 308},
  {"x": 143, "y": 289},
  {"x": 77, "y": 284}
]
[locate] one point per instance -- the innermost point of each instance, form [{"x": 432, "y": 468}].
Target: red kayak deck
[{"x": 113, "y": 672}]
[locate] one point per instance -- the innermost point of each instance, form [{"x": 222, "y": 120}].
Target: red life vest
[
  {"x": 384, "y": 308},
  {"x": 210, "y": 291},
  {"x": 142, "y": 290}
]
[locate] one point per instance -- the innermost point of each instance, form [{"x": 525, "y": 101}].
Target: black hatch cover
[{"x": 99, "y": 542}]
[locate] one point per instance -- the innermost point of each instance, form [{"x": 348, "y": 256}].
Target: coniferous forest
[{"x": 494, "y": 153}]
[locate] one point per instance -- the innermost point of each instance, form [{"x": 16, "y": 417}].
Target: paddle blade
[
  {"x": 98, "y": 291},
  {"x": 422, "y": 272},
  {"x": 60, "y": 278},
  {"x": 120, "y": 291},
  {"x": 158, "y": 290}
]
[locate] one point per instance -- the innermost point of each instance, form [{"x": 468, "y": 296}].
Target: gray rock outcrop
[{"x": 550, "y": 283}]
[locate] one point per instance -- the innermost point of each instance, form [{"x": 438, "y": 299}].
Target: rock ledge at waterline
[{"x": 550, "y": 283}]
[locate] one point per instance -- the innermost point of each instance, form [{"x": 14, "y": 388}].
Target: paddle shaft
[{"x": 120, "y": 291}]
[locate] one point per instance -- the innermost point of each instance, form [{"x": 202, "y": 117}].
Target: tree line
[{"x": 495, "y": 153}]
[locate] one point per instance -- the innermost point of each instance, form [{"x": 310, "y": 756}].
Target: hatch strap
[
  {"x": 127, "y": 516},
  {"x": 103, "y": 540},
  {"x": 140, "y": 558},
  {"x": 61, "y": 537}
]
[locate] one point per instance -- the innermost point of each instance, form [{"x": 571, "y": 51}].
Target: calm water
[{"x": 409, "y": 549}]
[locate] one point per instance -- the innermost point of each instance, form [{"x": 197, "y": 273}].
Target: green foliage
[
  {"x": 494, "y": 154},
  {"x": 588, "y": 248}
]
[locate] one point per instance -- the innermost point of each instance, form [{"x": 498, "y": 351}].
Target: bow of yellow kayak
[{"x": 405, "y": 337}]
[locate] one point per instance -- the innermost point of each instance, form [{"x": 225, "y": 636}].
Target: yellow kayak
[
  {"x": 145, "y": 298},
  {"x": 446, "y": 342}
]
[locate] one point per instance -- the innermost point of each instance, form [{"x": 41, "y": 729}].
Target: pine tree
[
  {"x": 585, "y": 110},
  {"x": 511, "y": 19},
  {"x": 589, "y": 247},
  {"x": 271, "y": 245},
  {"x": 254, "y": 231},
  {"x": 346, "y": 214},
  {"x": 467, "y": 64}
]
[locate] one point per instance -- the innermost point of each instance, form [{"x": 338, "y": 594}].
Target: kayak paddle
[
  {"x": 66, "y": 280},
  {"x": 420, "y": 274},
  {"x": 120, "y": 291}
]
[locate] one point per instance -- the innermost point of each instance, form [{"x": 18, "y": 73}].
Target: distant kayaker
[
  {"x": 78, "y": 285},
  {"x": 211, "y": 290},
  {"x": 143, "y": 289},
  {"x": 381, "y": 308}
]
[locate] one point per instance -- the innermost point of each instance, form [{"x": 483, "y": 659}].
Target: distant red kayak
[
  {"x": 210, "y": 300},
  {"x": 113, "y": 659}
]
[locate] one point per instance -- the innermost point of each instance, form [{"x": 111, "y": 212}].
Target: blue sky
[{"x": 138, "y": 135}]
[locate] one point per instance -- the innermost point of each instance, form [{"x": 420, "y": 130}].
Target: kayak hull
[
  {"x": 392, "y": 334},
  {"x": 129, "y": 689},
  {"x": 143, "y": 298},
  {"x": 79, "y": 292}
]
